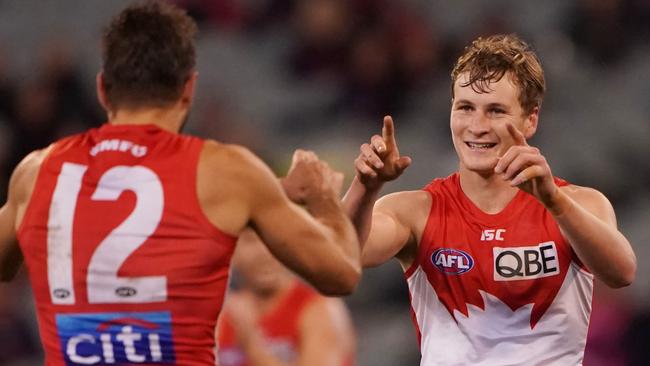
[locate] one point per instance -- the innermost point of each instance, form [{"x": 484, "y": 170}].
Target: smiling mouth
[{"x": 480, "y": 146}]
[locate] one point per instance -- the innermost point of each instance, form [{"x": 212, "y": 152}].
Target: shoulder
[
  {"x": 406, "y": 205},
  {"x": 215, "y": 151},
  {"x": 590, "y": 199},
  {"x": 219, "y": 162},
  {"x": 585, "y": 195},
  {"x": 229, "y": 158},
  {"x": 405, "y": 198},
  {"x": 231, "y": 183},
  {"x": 24, "y": 175}
]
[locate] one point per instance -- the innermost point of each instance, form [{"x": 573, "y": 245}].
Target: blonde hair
[{"x": 488, "y": 59}]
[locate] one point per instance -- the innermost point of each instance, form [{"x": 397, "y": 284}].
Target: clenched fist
[{"x": 310, "y": 178}]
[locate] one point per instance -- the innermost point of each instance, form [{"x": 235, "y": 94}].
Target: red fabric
[
  {"x": 455, "y": 223},
  {"x": 185, "y": 247},
  {"x": 280, "y": 328}
]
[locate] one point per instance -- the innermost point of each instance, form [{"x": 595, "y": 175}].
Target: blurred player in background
[
  {"x": 128, "y": 230},
  {"x": 500, "y": 256},
  {"x": 274, "y": 319}
]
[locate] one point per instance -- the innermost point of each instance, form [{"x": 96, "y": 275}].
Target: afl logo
[
  {"x": 452, "y": 261},
  {"x": 125, "y": 291},
  {"x": 61, "y": 293}
]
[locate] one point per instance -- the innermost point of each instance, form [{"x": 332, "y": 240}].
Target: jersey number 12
[{"x": 103, "y": 284}]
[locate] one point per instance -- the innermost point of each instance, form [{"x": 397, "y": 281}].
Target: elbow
[
  {"x": 343, "y": 284},
  {"x": 623, "y": 278}
]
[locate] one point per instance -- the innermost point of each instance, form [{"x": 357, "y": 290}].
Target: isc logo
[
  {"x": 524, "y": 263},
  {"x": 452, "y": 261},
  {"x": 492, "y": 234},
  {"x": 116, "y": 338}
]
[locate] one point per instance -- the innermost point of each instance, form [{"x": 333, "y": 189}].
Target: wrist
[
  {"x": 369, "y": 186},
  {"x": 320, "y": 197},
  {"x": 558, "y": 203}
]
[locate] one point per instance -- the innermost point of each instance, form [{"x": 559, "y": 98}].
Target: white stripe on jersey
[{"x": 500, "y": 336}]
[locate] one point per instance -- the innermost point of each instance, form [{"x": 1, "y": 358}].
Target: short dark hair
[
  {"x": 148, "y": 55},
  {"x": 489, "y": 59}
]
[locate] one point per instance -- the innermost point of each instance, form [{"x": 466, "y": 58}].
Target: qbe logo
[
  {"x": 452, "y": 261},
  {"x": 116, "y": 338},
  {"x": 524, "y": 263}
]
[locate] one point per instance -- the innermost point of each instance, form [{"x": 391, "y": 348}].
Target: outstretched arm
[
  {"x": 381, "y": 232},
  {"x": 319, "y": 244},
  {"x": 584, "y": 215}
]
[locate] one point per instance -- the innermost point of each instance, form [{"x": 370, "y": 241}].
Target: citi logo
[
  {"x": 452, "y": 261},
  {"x": 116, "y": 338}
]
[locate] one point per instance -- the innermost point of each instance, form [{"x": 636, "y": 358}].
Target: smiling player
[
  {"x": 127, "y": 230},
  {"x": 500, "y": 256}
]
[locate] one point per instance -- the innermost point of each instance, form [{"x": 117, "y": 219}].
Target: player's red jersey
[
  {"x": 125, "y": 267},
  {"x": 280, "y": 328},
  {"x": 497, "y": 289}
]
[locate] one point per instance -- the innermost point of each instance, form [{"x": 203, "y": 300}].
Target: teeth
[{"x": 475, "y": 145}]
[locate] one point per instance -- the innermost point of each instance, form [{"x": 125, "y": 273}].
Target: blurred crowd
[{"x": 320, "y": 74}]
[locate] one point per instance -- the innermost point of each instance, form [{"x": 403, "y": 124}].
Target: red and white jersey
[
  {"x": 502, "y": 289},
  {"x": 124, "y": 265},
  {"x": 280, "y": 328}
]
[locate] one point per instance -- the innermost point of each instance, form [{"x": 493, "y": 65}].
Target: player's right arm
[
  {"x": 383, "y": 225},
  {"x": 21, "y": 186},
  {"x": 238, "y": 190},
  {"x": 10, "y": 256}
]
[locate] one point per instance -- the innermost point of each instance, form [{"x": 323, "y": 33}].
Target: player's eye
[
  {"x": 497, "y": 110},
  {"x": 465, "y": 108}
]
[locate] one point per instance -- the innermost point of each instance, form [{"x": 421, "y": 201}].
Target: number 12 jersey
[{"x": 125, "y": 267}]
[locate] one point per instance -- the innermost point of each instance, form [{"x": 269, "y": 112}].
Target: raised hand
[
  {"x": 309, "y": 178},
  {"x": 526, "y": 168},
  {"x": 379, "y": 161}
]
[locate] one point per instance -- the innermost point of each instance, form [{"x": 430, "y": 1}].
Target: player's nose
[{"x": 479, "y": 125}]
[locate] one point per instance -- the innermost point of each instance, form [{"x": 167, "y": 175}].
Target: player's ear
[
  {"x": 188, "y": 89},
  {"x": 101, "y": 91},
  {"x": 530, "y": 126}
]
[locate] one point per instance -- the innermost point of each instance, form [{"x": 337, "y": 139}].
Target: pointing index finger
[
  {"x": 388, "y": 133},
  {"x": 516, "y": 135}
]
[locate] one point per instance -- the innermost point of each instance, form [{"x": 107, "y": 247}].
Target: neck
[
  {"x": 488, "y": 192},
  {"x": 167, "y": 118}
]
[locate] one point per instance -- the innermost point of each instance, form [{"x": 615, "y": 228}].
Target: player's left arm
[
  {"x": 584, "y": 215},
  {"x": 326, "y": 334},
  {"x": 587, "y": 219}
]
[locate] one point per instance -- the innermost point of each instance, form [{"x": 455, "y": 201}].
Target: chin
[{"x": 482, "y": 167}]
